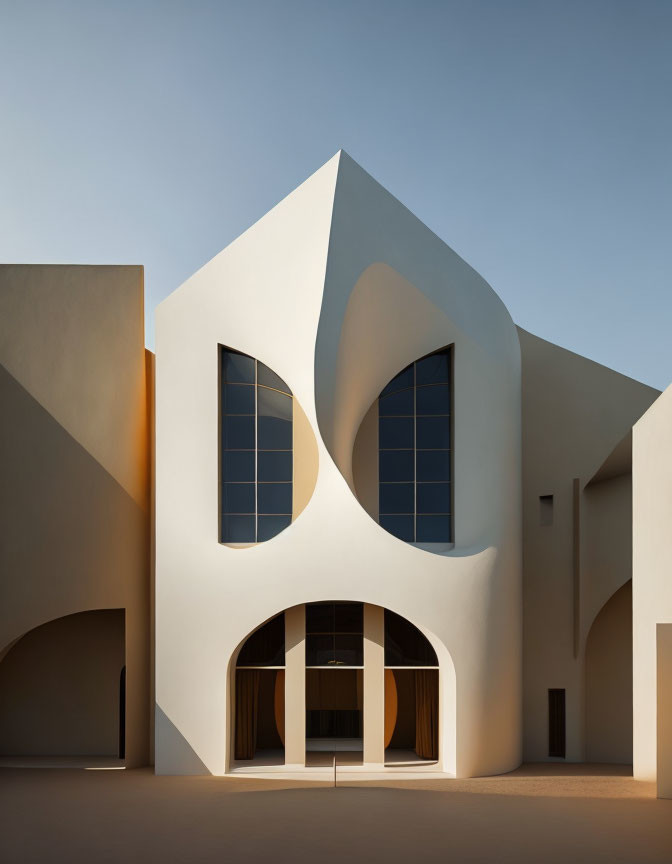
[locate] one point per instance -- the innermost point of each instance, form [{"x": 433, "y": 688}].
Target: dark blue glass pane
[
  {"x": 395, "y": 433},
  {"x": 270, "y": 403},
  {"x": 433, "y": 369},
  {"x": 397, "y": 498},
  {"x": 237, "y": 433},
  {"x": 238, "y": 498},
  {"x": 274, "y": 434},
  {"x": 433, "y": 465},
  {"x": 237, "y": 368},
  {"x": 433, "y": 399},
  {"x": 395, "y": 465},
  {"x": 400, "y": 526},
  {"x": 274, "y": 466},
  {"x": 433, "y": 529},
  {"x": 400, "y": 381},
  {"x": 238, "y": 467},
  {"x": 238, "y": 399},
  {"x": 270, "y": 526},
  {"x": 433, "y": 498},
  {"x": 274, "y": 498},
  {"x": 238, "y": 529},
  {"x": 396, "y": 403},
  {"x": 267, "y": 378},
  {"x": 433, "y": 433}
]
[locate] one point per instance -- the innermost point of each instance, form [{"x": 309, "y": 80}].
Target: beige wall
[
  {"x": 606, "y": 544},
  {"x": 664, "y": 710},
  {"x": 365, "y": 462},
  {"x": 59, "y": 688},
  {"x": 74, "y": 443},
  {"x": 609, "y": 682},
  {"x": 575, "y": 412},
  {"x": 652, "y": 566}
]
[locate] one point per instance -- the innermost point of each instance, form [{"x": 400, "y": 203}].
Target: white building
[{"x": 388, "y": 523}]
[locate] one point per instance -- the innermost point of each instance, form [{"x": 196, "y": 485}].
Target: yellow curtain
[
  {"x": 427, "y": 713},
  {"x": 247, "y": 704}
]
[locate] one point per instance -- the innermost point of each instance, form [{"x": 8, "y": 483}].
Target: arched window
[
  {"x": 256, "y": 464},
  {"x": 415, "y": 451}
]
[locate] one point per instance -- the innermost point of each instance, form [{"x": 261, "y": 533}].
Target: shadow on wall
[
  {"x": 609, "y": 681},
  {"x": 169, "y": 739},
  {"x": 60, "y": 687}
]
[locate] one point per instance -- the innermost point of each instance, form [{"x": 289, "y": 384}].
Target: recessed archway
[
  {"x": 60, "y": 688},
  {"x": 609, "y": 681},
  {"x": 340, "y": 677}
]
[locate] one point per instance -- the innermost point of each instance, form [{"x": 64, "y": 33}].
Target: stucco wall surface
[
  {"x": 652, "y": 569},
  {"x": 574, "y": 413},
  {"x": 337, "y": 289},
  {"x": 74, "y": 458}
]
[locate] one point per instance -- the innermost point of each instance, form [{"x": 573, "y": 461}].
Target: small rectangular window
[
  {"x": 556, "y": 723},
  {"x": 545, "y": 510}
]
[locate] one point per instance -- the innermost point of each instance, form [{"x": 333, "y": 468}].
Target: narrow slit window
[
  {"x": 556, "y": 723},
  {"x": 545, "y": 510}
]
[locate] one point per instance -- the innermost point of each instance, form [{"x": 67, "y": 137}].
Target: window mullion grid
[
  {"x": 256, "y": 454},
  {"x": 415, "y": 454}
]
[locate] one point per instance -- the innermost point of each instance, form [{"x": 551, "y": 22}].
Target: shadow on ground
[{"x": 536, "y": 814}]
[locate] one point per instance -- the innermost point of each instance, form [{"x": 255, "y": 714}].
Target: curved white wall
[{"x": 336, "y": 290}]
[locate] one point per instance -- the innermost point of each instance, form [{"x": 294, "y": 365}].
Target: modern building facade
[{"x": 388, "y": 522}]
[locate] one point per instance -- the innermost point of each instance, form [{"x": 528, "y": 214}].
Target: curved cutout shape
[
  {"x": 403, "y": 454},
  {"x": 268, "y": 453}
]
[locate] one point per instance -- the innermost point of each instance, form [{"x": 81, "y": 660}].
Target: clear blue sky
[{"x": 534, "y": 137}]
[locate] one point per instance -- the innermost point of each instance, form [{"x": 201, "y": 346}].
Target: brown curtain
[
  {"x": 247, "y": 704},
  {"x": 332, "y": 690},
  {"x": 427, "y": 713}
]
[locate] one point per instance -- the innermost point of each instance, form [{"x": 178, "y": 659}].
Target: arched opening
[
  {"x": 609, "y": 681},
  {"x": 411, "y": 694},
  {"x": 360, "y": 686},
  {"x": 259, "y": 716},
  {"x": 60, "y": 688}
]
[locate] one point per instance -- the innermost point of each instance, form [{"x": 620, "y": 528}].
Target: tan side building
[
  {"x": 74, "y": 499},
  {"x": 389, "y": 523}
]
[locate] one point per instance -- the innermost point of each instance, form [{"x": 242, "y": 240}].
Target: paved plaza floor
[{"x": 539, "y": 813}]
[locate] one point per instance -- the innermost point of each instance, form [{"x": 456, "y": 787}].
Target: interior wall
[
  {"x": 59, "y": 687},
  {"x": 609, "y": 682}
]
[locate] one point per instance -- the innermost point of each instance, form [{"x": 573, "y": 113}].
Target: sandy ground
[{"x": 538, "y": 814}]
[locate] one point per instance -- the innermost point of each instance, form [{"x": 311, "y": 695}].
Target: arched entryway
[
  {"x": 344, "y": 678},
  {"x": 60, "y": 688},
  {"x": 609, "y": 681}
]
